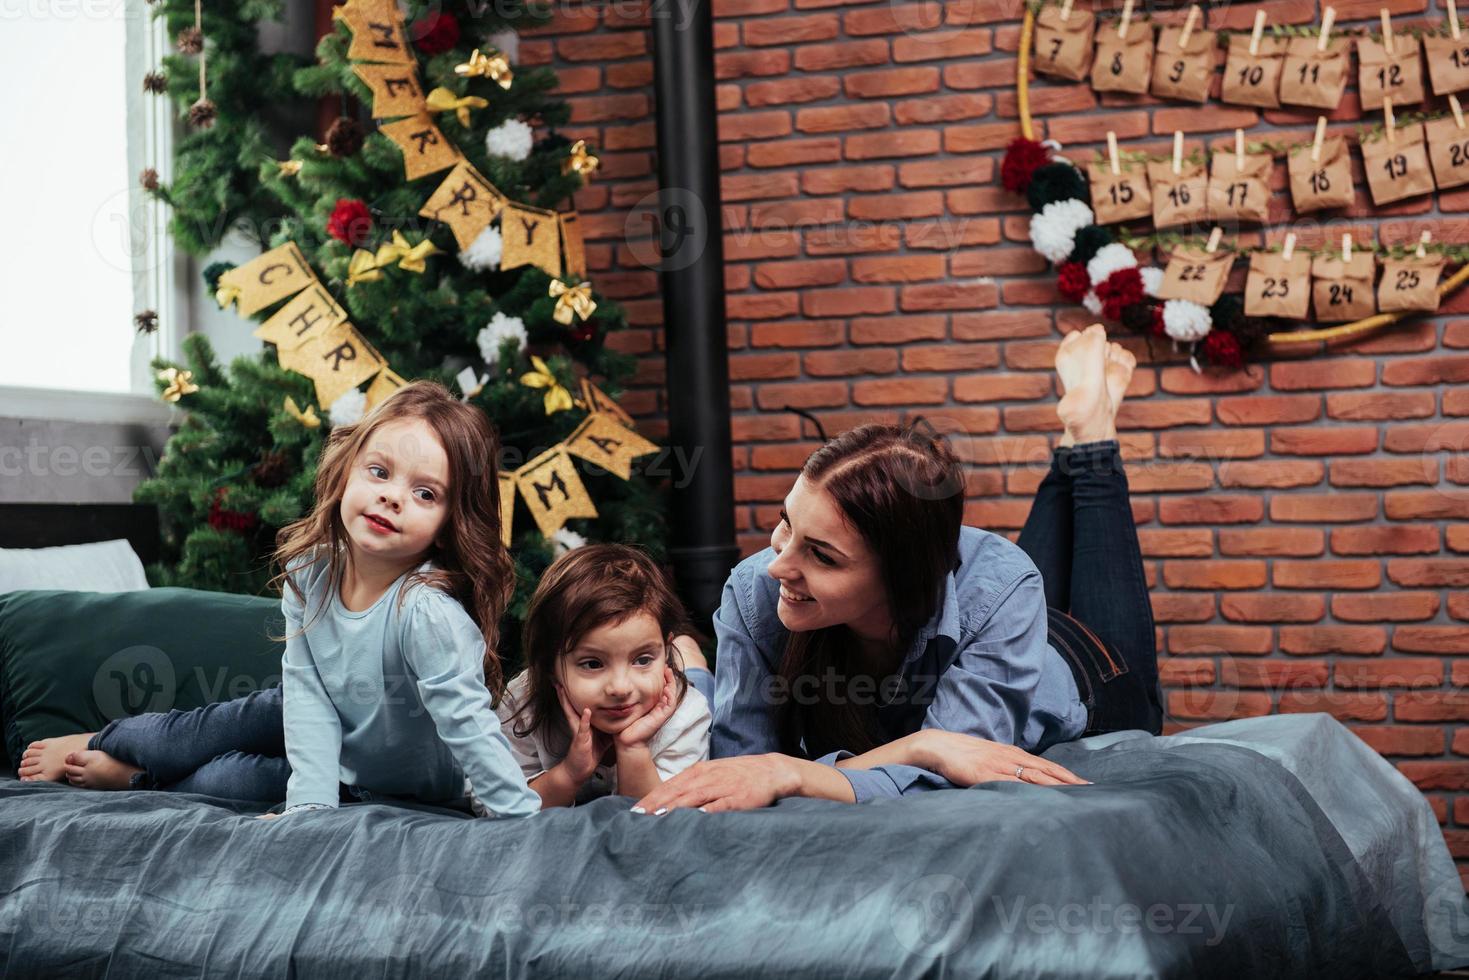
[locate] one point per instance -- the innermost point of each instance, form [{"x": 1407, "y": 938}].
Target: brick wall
[{"x": 1301, "y": 522}]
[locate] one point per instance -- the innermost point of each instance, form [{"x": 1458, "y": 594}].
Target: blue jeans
[{"x": 1081, "y": 536}]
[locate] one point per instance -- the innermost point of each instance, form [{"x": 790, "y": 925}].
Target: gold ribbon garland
[
  {"x": 226, "y": 294},
  {"x": 571, "y": 301},
  {"x": 444, "y": 100},
  {"x": 495, "y": 67},
  {"x": 180, "y": 383},
  {"x": 363, "y": 268},
  {"x": 410, "y": 258},
  {"x": 557, "y": 399},
  {"x": 307, "y": 418}
]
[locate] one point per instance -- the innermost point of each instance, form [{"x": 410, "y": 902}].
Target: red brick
[
  {"x": 1342, "y": 706},
  {"x": 1431, "y": 639},
  {"x": 895, "y": 81},
  {"x": 1315, "y": 441},
  {"x": 1387, "y": 539},
  {"x": 1383, "y": 472},
  {"x": 1388, "y": 607},
  {"x": 1272, "y": 607},
  {"x": 1219, "y": 639},
  {"x": 789, "y": 152},
  {"x": 1295, "y": 541},
  {"x": 1402, "y": 739},
  {"x": 787, "y": 90},
  {"x": 1340, "y": 372},
  {"x": 941, "y": 44},
  {"x": 990, "y": 387},
  {"x": 951, "y": 358},
  {"x": 1162, "y": 415},
  {"x": 1275, "y": 675},
  {"x": 1431, "y": 706},
  {"x": 1437, "y": 775},
  {"x": 1214, "y": 574},
  {"x": 1380, "y": 405},
  {"x": 1332, "y": 639},
  {"x": 790, "y": 30},
  {"x": 1210, "y": 509},
  {"x": 1268, "y": 409},
  {"x": 1426, "y": 371},
  {"x": 902, "y": 143},
  {"x": 841, "y": 118},
  {"x": 1190, "y": 543},
  {"x": 804, "y": 394},
  {"x": 1182, "y": 607},
  {"x": 896, "y": 329},
  {"x": 1426, "y": 504},
  {"x": 1163, "y": 477},
  {"x": 904, "y": 391},
  {"x": 1273, "y": 473},
  {"x": 903, "y": 268},
  {"x": 1217, "y": 705},
  {"x": 1419, "y": 572},
  {"x": 845, "y": 302},
  {"x": 1185, "y": 672},
  {"x": 1320, "y": 574},
  {"x": 838, "y": 363}
]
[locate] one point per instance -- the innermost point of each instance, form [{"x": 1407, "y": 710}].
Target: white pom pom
[
  {"x": 348, "y": 409},
  {"x": 483, "y": 254},
  {"x": 1092, "y": 303},
  {"x": 512, "y": 138},
  {"x": 500, "y": 329},
  {"x": 506, "y": 42},
  {"x": 1053, "y": 230},
  {"x": 1109, "y": 259},
  {"x": 1186, "y": 320},
  {"x": 566, "y": 540},
  {"x": 1152, "y": 279}
]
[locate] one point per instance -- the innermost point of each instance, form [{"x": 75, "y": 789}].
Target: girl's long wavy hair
[
  {"x": 589, "y": 587},
  {"x": 471, "y": 563},
  {"x": 902, "y": 489}
]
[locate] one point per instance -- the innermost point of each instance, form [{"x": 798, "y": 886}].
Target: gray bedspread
[{"x": 1278, "y": 846}]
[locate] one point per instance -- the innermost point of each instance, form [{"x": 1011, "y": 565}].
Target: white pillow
[{"x": 102, "y": 566}]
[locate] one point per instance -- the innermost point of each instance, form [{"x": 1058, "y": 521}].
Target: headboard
[{"x": 46, "y": 525}]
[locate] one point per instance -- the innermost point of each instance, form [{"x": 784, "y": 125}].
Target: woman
[{"x": 878, "y": 648}]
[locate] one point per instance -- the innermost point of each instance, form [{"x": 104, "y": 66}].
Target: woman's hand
[
  {"x": 689, "y": 654},
  {"x": 967, "y": 759},
  {"x": 267, "y": 816},
  {"x": 587, "y": 744},
  {"x": 742, "y": 782},
  {"x": 642, "y": 729}
]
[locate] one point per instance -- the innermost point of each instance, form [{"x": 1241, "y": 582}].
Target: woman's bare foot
[
  {"x": 1086, "y": 409},
  {"x": 1120, "y": 364},
  {"x": 95, "y": 769},
  {"x": 45, "y": 758}
]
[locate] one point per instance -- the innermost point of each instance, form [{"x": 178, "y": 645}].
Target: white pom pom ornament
[
  {"x": 1186, "y": 321},
  {"x": 483, "y": 254},
  {"x": 1109, "y": 259},
  {"x": 512, "y": 138},
  {"x": 349, "y": 408},
  {"x": 495, "y": 333},
  {"x": 1053, "y": 230}
]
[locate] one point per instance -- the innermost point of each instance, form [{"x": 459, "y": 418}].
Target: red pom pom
[
  {"x": 1222, "y": 347},
  {"x": 350, "y": 221},
  {"x": 1021, "y": 160},
  {"x": 1121, "y": 289},
  {"x": 1158, "y": 328},
  {"x": 1072, "y": 281},
  {"x": 435, "y": 35},
  {"x": 228, "y": 520}
]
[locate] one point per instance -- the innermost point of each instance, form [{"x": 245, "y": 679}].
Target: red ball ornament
[
  {"x": 1222, "y": 348},
  {"x": 435, "y": 35},
  {"x": 1121, "y": 289},
  {"x": 350, "y": 222},
  {"x": 1021, "y": 160},
  {"x": 1072, "y": 281}
]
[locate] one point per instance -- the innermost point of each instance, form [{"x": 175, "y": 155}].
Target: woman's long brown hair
[
  {"x": 589, "y": 587},
  {"x": 902, "y": 489},
  {"x": 471, "y": 563}
]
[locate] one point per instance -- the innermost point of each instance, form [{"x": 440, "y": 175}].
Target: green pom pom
[
  {"x": 213, "y": 271},
  {"x": 1055, "y": 182},
  {"x": 1089, "y": 241}
]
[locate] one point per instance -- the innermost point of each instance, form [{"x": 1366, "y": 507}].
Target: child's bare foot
[
  {"x": 45, "y": 758},
  {"x": 1086, "y": 409},
  {"x": 95, "y": 769},
  {"x": 1118, "y": 372}
]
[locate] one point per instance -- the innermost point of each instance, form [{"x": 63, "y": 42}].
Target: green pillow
[{"x": 73, "y": 661}]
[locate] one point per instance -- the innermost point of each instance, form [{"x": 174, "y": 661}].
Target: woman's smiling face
[{"x": 828, "y": 575}]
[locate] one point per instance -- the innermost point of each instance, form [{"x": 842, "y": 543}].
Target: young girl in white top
[{"x": 603, "y": 706}]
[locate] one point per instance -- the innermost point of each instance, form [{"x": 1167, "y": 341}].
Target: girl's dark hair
[
  {"x": 470, "y": 559},
  {"x": 587, "y": 588},
  {"x": 902, "y": 489}
]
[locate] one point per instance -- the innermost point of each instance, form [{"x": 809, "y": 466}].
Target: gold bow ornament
[
  {"x": 581, "y": 160},
  {"x": 226, "y": 294},
  {"x": 307, "y": 418},
  {"x": 558, "y": 399},
  {"x": 180, "y": 383},
  {"x": 410, "y": 258},
  {"x": 363, "y": 268},
  {"x": 495, "y": 67},
  {"x": 571, "y": 301},
  {"x": 443, "y": 100},
  {"x": 289, "y": 168}
]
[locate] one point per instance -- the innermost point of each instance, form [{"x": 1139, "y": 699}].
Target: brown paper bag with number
[
  {"x": 1240, "y": 193},
  {"x": 1342, "y": 290},
  {"x": 1123, "y": 64},
  {"x": 1397, "y": 168},
  {"x": 1410, "y": 283},
  {"x": 1448, "y": 63},
  {"x": 1119, "y": 197},
  {"x": 1314, "y": 78},
  {"x": 1276, "y": 287},
  {"x": 1196, "y": 275},
  {"x": 1253, "y": 79},
  {"x": 1448, "y": 150},
  {"x": 1064, "y": 47},
  {"x": 1399, "y": 75},
  {"x": 1325, "y": 183},
  {"x": 1178, "y": 198},
  {"x": 1185, "y": 73}
]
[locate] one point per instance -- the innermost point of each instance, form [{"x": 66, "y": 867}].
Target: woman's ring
[{"x": 1018, "y": 771}]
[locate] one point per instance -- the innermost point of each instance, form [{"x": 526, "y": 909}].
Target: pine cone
[
  {"x": 344, "y": 138},
  {"x": 155, "y": 82},
  {"x": 202, "y": 114},
  {"x": 149, "y": 179},
  {"x": 273, "y": 470},
  {"x": 190, "y": 40},
  {"x": 147, "y": 321}
]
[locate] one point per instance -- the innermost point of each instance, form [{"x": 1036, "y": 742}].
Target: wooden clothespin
[
  {"x": 1458, "y": 111},
  {"x": 1112, "y": 155},
  {"x": 1289, "y": 248},
  {"x": 1215, "y": 237},
  {"x": 1126, "y": 20},
  {"x": 1320, "y": 138},
  {"x": 1423, "y": 241},
  {"x": 1327, "y": 19},
  {"x": 1189, "y": 23},
  {"x": 1387, "y": 43},
  {"x": 1239, "y": 149},
  {"x": 1177, "y": 152},
  {"x": 1389, "y": 122},
  {"x": 1453, "y": 19},
  {"x": 1066, "y": 11},
  {"x": 1346, "y": 247},
  {"x": 1255, "y": 36}
]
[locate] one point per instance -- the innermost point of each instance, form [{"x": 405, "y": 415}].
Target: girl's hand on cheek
[
  {"x": 643, "y": 728},
  {"x": 587, "y": 744}
]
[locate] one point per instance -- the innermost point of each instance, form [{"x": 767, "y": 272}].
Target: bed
[{"x": 1278, "y": 846}]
